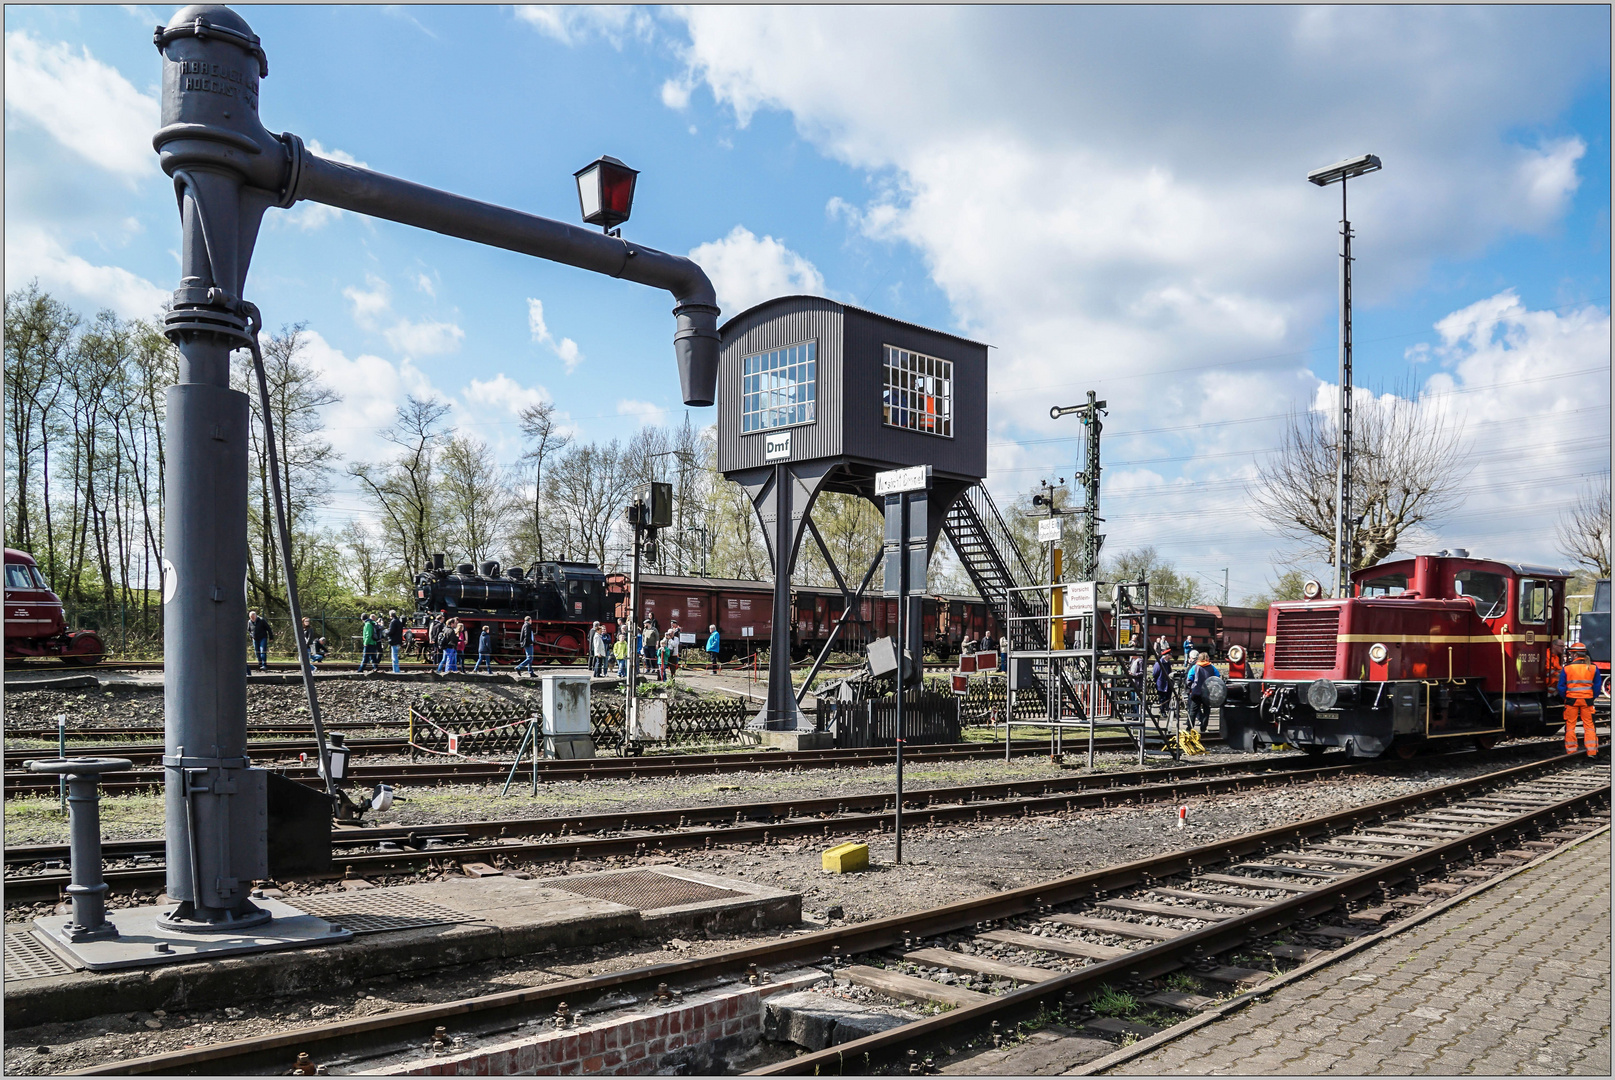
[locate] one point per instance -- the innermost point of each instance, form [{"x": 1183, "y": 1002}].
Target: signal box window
[
  {"x": 919, "y": 392},
  {"x": 1536, "y": 600},
  {"x": 1389, "y": 585},
  {"x": 779, "y": 388},
  {"x": 1489, "y": 591}
]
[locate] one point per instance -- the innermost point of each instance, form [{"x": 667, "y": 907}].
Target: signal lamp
[{"x": 606, "y": 192}]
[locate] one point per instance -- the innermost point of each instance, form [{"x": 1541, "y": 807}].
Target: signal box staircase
[{"x": 977, "y": 532}]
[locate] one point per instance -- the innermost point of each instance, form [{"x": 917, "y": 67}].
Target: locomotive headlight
[
  {"x": 1312, "y": 590},
  {"x": 1236, "y": 653},
  {"x": 1378, "y": 653}
]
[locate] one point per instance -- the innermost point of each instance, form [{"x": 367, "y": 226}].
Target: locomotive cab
[{"x": 1434, "y": 647}]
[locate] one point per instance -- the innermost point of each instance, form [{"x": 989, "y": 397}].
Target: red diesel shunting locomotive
[
  {"x": 35, "y": 622},
  {"x": 1434, "y": 647}
]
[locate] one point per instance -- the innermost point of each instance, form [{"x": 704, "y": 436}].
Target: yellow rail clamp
[{"x": 846, "y": 858}]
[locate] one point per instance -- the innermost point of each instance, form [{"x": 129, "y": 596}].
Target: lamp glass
[{"x": 589, "y": 191}]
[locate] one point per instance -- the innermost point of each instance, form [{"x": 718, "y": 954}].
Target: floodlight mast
[
  {"x": 1339, "y": 173},
  {"x": 228, "y": 170}
]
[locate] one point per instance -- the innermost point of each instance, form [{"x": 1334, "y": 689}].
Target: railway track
[
  {"x": 1322, "y": 880},
  {"x": 651, "y": 766},
  {"x": 39, "y": 873}
]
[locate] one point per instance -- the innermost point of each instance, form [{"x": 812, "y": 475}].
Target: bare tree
[
  {"x": 1407, "y": 470},
  {"x": 296, "y": 398},
  {"x": 364, "y": 558},
  {"x": 39, "y": 332},
  {"x": 544, "y": 437},
  {"x": 477, "y": 508},
  {"x": 404, "y": 490},
  {"x": 1584, "y": 529},
  {"x": 1168, "y": 587}
]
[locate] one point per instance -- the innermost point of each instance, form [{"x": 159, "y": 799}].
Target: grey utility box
[{"x": 568, "y": 725}]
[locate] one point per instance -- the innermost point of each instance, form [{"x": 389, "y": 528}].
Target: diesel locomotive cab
[{"x": 1435, "y": 647}]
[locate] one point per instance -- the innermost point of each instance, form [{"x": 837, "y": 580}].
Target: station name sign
[{"x": 898, "y": 481}]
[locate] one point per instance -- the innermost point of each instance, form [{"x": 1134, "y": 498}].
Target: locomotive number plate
[{"x": 1327, "y": 715}]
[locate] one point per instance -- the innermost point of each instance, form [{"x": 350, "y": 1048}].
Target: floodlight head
[{"x": 1344, "y": 170}]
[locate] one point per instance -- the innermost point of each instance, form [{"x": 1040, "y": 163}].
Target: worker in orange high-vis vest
[{"x": 1579, "y": 683}]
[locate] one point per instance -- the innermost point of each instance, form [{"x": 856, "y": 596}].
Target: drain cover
[
  {"x": 29, "y": 958},
  {"x": 645, "y": 889},
  {"x": 367, "y": 914}
]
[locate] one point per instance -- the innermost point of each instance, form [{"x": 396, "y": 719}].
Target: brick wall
[{"x": 644, "y": 1039}]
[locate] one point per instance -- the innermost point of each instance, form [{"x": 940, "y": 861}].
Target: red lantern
[{"x": 606, "y": 192}]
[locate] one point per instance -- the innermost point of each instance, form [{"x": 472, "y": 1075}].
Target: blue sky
[{"x": 1112, "y": 197}]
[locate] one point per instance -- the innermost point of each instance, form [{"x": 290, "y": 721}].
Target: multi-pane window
[
  {"x": 919, "y": 392},
  {"x": 779, "y": 388}
]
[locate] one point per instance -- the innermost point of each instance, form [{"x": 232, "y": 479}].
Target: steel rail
[
  {"x": 1219, "y": 936},
  {"x": 372, "y": 1036},
  {"x": 724, "y": 824},
  {"x": 554, "y": 771}
]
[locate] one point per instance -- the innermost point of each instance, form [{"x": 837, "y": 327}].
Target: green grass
[
  {"x": 35, "y": 819},
  {"x": 1109, "y": 1002},
  {"x": 1180, "y": 982}
]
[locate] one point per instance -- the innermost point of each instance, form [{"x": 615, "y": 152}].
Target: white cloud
[
  {"x": 566, "y": 349},
  {"x": 572, "y": 24},
  {"x": 426, "y": 285},
  {"x": 747, "y": 270},
  {"x": 372, "y": 389},
  {"x": 369, "y": 305},
  {"x": 649, "y": 415},
  {"x": 34, "y": 253},
  {"x": 425, "y": 338},
  {"x": 1531, "y": 392},
  {"x": 503, "y": 392},
  {"x": 87, "y": 106},
  {"x": 676, "y": 95}
]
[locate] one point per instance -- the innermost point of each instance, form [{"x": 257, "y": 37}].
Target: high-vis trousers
[{"x": 1583, "y": 708}]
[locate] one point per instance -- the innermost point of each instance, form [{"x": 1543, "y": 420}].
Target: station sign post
[{"x": 905, "y": 564}]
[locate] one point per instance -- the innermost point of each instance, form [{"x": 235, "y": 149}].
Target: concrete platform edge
[{"x": 1233, "y": 1005}]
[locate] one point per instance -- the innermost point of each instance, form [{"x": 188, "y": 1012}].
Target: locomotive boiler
[
  {"x": 1427, "y": 649},
  {"x": 563, "y": 598}
]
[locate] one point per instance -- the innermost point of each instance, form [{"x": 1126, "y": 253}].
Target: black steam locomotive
[{"x": 563, "y": 598}]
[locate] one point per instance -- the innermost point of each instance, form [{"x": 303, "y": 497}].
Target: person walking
[
  {"x": 448, "y": 641},
  {"x": 619, "y": 652},
  {"x": 526, "y": 642},
  {"x": 647, "y": 649},
  {"x": 1579, "y": 682},
  {"x": 395, "y": 637},
  {"x": 1188, "y": 643},
  {"x": 597, "y": 651},
  {"x": 370, "y": 641},
  {"x": 1199, "y": 706},
  {"x": 461, "y": 640},
  {"x": 1135, "y": 673},
  {"x": 262, "y": 635},
  {"x": 1003, "y": 653},
  {"x": 484, "y": 650},
  {"x": 714, "y": 646},
  {"x": 309, "y": 643},
  {"x": 1162, "y": 674}
]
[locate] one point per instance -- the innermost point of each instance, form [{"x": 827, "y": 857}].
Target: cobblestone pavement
[{"x": 1515, "y": 981}]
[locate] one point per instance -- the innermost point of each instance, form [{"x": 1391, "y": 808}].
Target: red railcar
[
  {"x": 1428, "y": 648},
  {"x": 743, "y": 612},
  {"x": 35, "y": 624}
]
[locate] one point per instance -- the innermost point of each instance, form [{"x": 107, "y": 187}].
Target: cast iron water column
[{"x": 227, "y": 171}]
